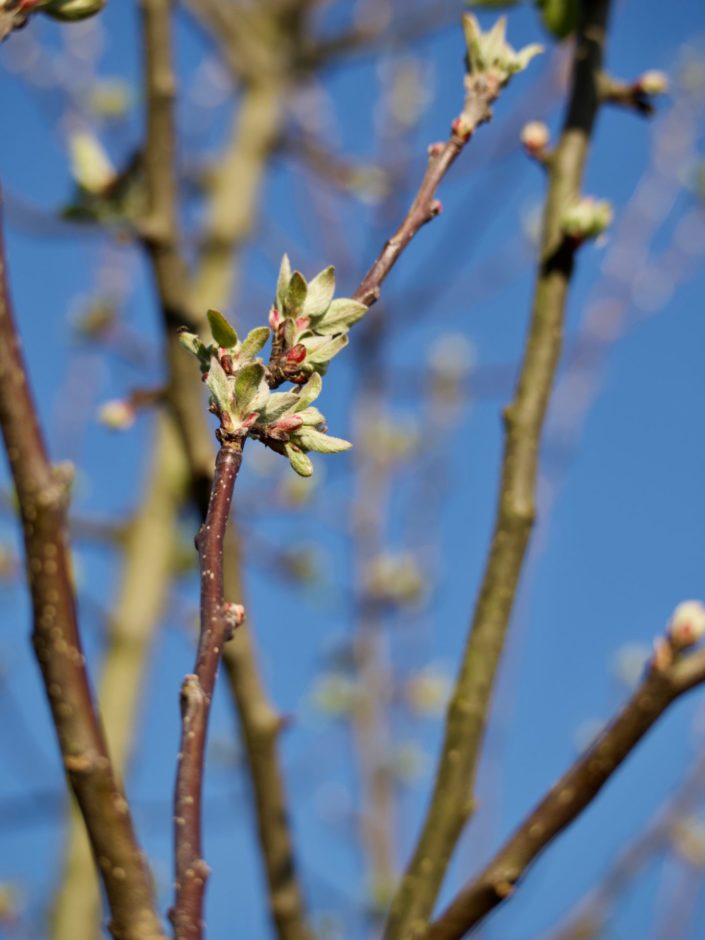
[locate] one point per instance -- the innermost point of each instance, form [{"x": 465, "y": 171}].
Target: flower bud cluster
[
  {"x": 309, "y": 326},
  {"x": 240, "y": 385}
]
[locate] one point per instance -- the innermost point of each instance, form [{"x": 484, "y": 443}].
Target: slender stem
[
  {"x": 564, "y": 802},
  {"x": 237, "y": 182},
  {"x": 196, "y": 697},
  {"x": 452, "y": 799},
  {"x": 425, "y": 207},
  {"x": 42, "y": 492}
]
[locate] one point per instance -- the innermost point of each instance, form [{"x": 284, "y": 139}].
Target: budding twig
[{"x": 196, "y": 696}]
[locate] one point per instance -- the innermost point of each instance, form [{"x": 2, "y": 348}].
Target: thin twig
[
  {"x": 452, "y": 800},
  {"x": 42, "y": 492},
  {"x": 196, "y": 698},
  {"x": 575, "y": 790},
  {"x": 249, "y": 147},
  {"x": 425, "y": 206}
]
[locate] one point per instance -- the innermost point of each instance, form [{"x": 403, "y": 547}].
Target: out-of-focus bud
[
  {"x": 428, "y": 691},
  {"x": 687, "y": 624},
  {"x": 90, "y": 165},
  {"x": 535, "y": 137},
  {"x": 394, "y": 579},
  {"x": 70, "y": 10},
  {"x": 586, "y": 218},
  {"x": 652, "y": 82},
  {"x": 688, "y": 837},
  {"x": 118, "y": 414}
]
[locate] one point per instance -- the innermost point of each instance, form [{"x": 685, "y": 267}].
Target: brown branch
[
  {"x": 146, "y": 575},
  {"x": 480, "y": 95},
  {"x": 42, "y": 492},
  {"x": 576, "y": 789},
  {"x": 588, "y": 918},
  {"x": 196, "y": 696},
  {"x": 452, "y": 801},
  {"x": 241, "y": 166}
]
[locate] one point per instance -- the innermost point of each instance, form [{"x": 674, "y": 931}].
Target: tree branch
[
  {"x": 452, "y": 802},
  {"x": 196, "y": 697},
  {"x": 576, "y": 789},
  {"x": 141, "y": 597},
  {"x": 480, "y": 96},
  {"x": 42, "y": 492}
]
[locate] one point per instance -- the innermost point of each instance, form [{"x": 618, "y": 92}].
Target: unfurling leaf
[
  {"x": 321, "y": 349},
  {"x": 218, "y": 384},
  {"x": 299, "y": 460},
  {"x": 320, "y": 443},
  {"x": 283, "y": 283},
  {"x": 310, "y": 391},
  {"x": 295, "y": 295},
  {"x": 254, "y": 341},
  {"x": 320, "y": 293},
  {"x": 223, "y": 333},
  {"x": 340, "y": 316},
  {"x": 247, "y": 387}
]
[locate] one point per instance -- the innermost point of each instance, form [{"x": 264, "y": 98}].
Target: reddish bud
[
  {"x": 436, "y": 208},
  {"x": 436, "y": 149},
  {"x": 289, "y": 423},
  {"x": 462, "y": 128},
  {"x": 297, "y": 353},
  {"x": 227, "y": 364},
  {"x": 302, "y": 323},
  {"x": 275, "y": 318}
]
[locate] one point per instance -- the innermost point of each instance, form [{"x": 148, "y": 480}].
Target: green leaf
[
  {"x": 247, "y": 386},
  {"x": 320, "y": 293},
  {"x": 298, "y": 460},
  {"x": 254, "y": 341},
  {"x": 223, "y": 333},
  {"x": 309, "y": 392},
  {"x": 311, "y": 417},
  {"x": 340, "y": 316},
  {"x": 295, "y": 295},
  {"x": 191, "y": 342},
  {"x": 219, "y": 385},
  {"x": 283, "y": 283},
  {"x": 277, "y": 405},
  {"x": 320, "y": 443},
  {"x": 321, "y": 349}
]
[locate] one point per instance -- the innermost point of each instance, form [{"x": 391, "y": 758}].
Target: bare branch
[
  {"x": 663, "y": 684},
  {"x": 42, "y": 492}
]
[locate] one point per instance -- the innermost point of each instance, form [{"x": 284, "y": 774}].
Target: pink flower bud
[
  {"x": 687, "y": 624},
  {"x": 297, "y": 353},
  {"x": 249, "y": 420},
  {"x": 302, "y": 323},
  {"x": 275, "y": 318}
]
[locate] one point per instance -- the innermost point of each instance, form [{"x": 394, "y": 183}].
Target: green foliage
[{"x": 309, "y": 328}]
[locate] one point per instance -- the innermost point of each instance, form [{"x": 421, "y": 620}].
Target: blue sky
[{"x": 619, "y": 540}]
